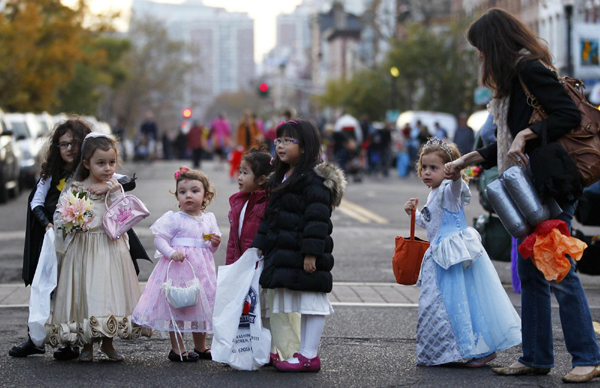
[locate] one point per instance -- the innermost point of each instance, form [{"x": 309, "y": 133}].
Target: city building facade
[
  {"x": 571, "y": 28},
  {"x": 220, "y": 42}
]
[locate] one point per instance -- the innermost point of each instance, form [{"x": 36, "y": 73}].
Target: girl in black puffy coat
[{"x": 295, "y": 236}]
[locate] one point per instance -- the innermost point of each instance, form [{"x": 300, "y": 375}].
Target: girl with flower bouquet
[
  {"x": 97, "y": 283},
  {"x": 61, "y": 159}
]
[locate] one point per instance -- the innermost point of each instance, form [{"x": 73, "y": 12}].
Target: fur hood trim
[{"x": 335, "y": 181}]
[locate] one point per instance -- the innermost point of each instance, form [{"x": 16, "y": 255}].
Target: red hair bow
[{"x": 184, "y": 169}]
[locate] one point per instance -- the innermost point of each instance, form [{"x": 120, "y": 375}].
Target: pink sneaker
[
  {"x": 273, "y": 359},
  {"x": 305, "y": 364},
  {"x": 479, "y": 362}
]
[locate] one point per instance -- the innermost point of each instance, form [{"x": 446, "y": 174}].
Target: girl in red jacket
[
  {"x": 247, "y": 211},
  {"x": 249, "y": 204}
]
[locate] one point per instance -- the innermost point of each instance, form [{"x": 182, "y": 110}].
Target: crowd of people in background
[{"x": 359, "y": 146}]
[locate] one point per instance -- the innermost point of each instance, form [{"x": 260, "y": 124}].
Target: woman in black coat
[
  {"x": 509, "y": 50},
  {"x": 295, "y": 236}
]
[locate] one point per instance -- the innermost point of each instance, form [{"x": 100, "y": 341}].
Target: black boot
[
  {"x": 27, "y": 348},
  {"x": 66, "y": 353}
]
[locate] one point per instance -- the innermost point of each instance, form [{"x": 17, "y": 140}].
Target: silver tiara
[
  {"x": 90, "y": 135},
  {"x": 434, "y": 141},
  {"x": 96, "y": 134}
]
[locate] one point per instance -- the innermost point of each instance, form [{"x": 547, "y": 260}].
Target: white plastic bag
[
  {"x": 44, "y": 282},
  {"x": 239, "y": 339}
]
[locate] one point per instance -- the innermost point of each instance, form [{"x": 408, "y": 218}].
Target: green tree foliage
[
  {"x": 367, "y": 92},
  {"x": 98, "y": 73},
  {"x": 40, "y": 44},
  {"x": 438, "y": 70},
  {"x": 50, "y": 61}
]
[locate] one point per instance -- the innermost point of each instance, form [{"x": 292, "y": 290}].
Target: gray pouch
[
  {"x": 508, "y": 212},
  {"x": 521, "y": 190}
]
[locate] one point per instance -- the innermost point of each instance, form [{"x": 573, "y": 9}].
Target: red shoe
[
  {"x": 273, "y": 359},
  {"x": 305, "y": 365}
]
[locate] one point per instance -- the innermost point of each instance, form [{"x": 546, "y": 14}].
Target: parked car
[
  {"x": 103, "y": 127},
  {"x": 10, "y": 161},
  {"x": 59, "y": 118},
  {"x": 46, "y": 122},
  {"x": 30, "y": 138},
  {"x": 446, "y": 120},
  {"x": 96, "y": 125}
]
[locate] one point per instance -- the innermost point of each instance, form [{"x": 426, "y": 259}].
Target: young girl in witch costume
[
  {"x": 97, "y": 284},
  {"x": 295, "y": 236},
  {"x": 62, "y": 158}
]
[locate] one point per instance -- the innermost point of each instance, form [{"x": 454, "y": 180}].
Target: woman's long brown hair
[{"x": 500, "y": 37}]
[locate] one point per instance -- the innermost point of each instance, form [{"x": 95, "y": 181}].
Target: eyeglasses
[
  {"x": 285, "y": 141},
  {"x": 65, "y": 146}
]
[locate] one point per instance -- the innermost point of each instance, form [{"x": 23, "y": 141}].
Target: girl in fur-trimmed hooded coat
[{"x": 295, "y": 236}]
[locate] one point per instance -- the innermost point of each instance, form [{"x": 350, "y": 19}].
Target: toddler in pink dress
[{"x": 190, "y": 235}]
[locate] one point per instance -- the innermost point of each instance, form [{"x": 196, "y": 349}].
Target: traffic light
[
  {"x": 263, "y": 89},
  {"x": 187, "y": 113}
]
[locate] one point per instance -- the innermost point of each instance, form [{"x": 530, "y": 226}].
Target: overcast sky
[{"x": 263, "y": 12}]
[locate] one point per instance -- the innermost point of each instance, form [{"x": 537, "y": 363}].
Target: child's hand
[
  {"x": 310, "y": 264},
  {"x": 177, "y": 256},
  {"x": 411, "y": 205},
  {"x": 452, "y": 169},
  {"x": 215, "y": 240},
  {"x": 98, "y": 188},
  {"x": 113, "y": 185},
  {"x": 260, "y": 253}
]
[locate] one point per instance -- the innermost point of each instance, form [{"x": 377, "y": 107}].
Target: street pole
[
  {"x": 393, "y": 97},
  {"x": 569, "y": 14},
  {"x": 395, "y": 73}
]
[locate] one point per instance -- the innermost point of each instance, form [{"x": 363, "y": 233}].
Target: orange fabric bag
[{"x": 408, "y": 256}]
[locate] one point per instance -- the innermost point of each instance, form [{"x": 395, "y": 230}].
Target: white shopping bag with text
[
  {"x": 44, "y": 282},
  {"x": 239, "y": 338}
]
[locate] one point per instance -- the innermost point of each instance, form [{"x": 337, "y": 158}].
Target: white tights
[{"x": 312, "y": 329}]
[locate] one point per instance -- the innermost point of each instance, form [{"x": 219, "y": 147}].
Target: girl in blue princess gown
[{"x": 464, "y": 312}]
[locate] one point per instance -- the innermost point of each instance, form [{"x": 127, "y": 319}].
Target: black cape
[{"x": 34, "y": 232}]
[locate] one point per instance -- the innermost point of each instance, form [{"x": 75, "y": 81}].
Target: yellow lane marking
[
  {"x": 353, "y": 214},
  {"x": 597, "y": 327},
  {"x": 363, "y": 212}
]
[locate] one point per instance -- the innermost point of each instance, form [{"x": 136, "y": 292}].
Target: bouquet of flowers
[{"x": 75, "y": 212}]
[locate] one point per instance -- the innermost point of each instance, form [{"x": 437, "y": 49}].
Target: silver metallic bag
[
  {"x": 518, "y": 204},
  {"x": 509, "y": 214},
  {"x": 519, "y": 187}
]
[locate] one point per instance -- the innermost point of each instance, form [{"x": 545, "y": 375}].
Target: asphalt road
[{"x": 361, "y": 347}]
